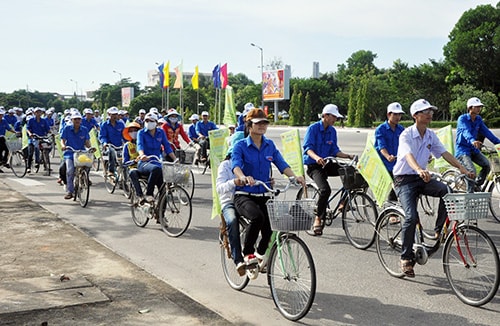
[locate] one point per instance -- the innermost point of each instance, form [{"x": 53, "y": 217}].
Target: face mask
[
  {"x": 150, "y": 125},
  {"x": 133, "y": 134},
  {"x": 173, "y": 120}
]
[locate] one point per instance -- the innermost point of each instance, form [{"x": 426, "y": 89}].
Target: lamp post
[
  {"x": 261, "y": 69},
  {"x": 119, "y": 73},
  {"x": 198, "y": 109},
  {"x": 76, "y": 90}
]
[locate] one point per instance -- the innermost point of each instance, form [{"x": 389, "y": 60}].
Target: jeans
[
  {"x": 111, "y": 159},
  {"x": 255, "y": 210},
  {"x": 33, "y": 148},
  {"x": 408, "y": 188},
  {"x": 320, "y": 177},
  {"x": 4, "y": 151},
  {"x": 233, "y": 231},
  {"x": 205, "y": 145},
  {"x": 70, "y": 175},
  {"x": 134, "y": 175},
  {"x": 154, "y": 173},
  {"x": 468, "y": 163}
]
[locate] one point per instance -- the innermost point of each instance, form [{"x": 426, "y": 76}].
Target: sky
[{"x": 65, "y": 46}]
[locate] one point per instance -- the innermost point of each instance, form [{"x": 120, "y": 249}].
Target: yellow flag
[
  {"x": 166, "y": 75},
  {"x": 194, "y": 79}
]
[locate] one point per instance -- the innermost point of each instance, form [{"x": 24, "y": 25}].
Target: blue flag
[{"x": 216, "y": 76}]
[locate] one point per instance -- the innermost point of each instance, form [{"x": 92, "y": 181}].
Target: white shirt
[
  {"x": 410, "y": 141},
  {"x": 225, "y": 183}
]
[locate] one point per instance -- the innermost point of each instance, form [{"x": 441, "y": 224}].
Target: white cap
[
  {"x": 112, "y": 110},
  {"x": 161, "y": 120},
  {"x": 19, "y": 109},
  {"x": 395, "y": 108},
  {"x": 332, "y": 109},
  {"x": 194, "y": 117},
  {"x": 172, "y": 112},
  {"x": 2, "y": 111},
  {"x": 87, "y": 110},
  {"x": 12, "y": 111},
  {"x": 121, "y": 112},
  {"x": 76, "y": 115},
  {"x": 247, "y": 108},
  {"x": 29, "y": 111},
  {"x": 142, "y": 111},
  {"x": 151, "y": 116},
  {"x": 474, "y": 101},
  {"x": 204, "y": 113},
  {"x": 153, "y": 110},
  {"x": 36, "y": 109},
  {"x": 421, "y": 105}
]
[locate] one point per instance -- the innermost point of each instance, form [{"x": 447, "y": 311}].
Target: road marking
[{"x": 27, "y": 182}]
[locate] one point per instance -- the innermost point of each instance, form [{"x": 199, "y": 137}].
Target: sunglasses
[{"x": 427, "y": 111}]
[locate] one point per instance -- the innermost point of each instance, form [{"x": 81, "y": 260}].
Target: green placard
[{"x": 292, "y": 151}]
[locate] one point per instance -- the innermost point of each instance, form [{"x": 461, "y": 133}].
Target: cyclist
[
  {"x": 4, "y": 151},
  {"x": 251, "y": 159},
  {"x": 140, "y": 118},
  {"x": 89, "y": 121},
  {"x": 411, "y": 177},
  {"x": 149, "y": 142},
  {"x": 470, "y": 128},
  {"x": 130, "y": 153},
  {"x": 76, "y": 136},
  {"x": 193, "y": 136},
  {"x": 202, "y": 129},
  {"x": 173, "y": 128},
  {"x": 241, "y": 117},
  {"x": 226, "y": 183},
  {"x": 387, "y": 139},
  {"x": 320, "y": 141},
  {"x": 10, "y": 117},
  {"x": 40, "y": 126},
  {"x": 111, "y": 133}
]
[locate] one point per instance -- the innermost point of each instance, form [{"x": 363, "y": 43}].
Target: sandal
[
  {"x": 316, "y": 230},
  {"x": 407, "y": 267}
]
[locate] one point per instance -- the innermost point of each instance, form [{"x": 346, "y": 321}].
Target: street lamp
[
  {"x": 261, "y": 69},
  {"x": 76, "y": 90},
  {"x": 200, "y": 104},
  {"x": 119, "y": 73}
]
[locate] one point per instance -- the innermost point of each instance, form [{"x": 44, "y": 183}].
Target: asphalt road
[{"x": 352, "y": 287}]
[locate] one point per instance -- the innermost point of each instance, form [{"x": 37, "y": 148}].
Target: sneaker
[
  {"x": 262, "y": 261},
  {"x": 28, "y": 170},
  {"x": 241, "y": 268},
  {"x": 251, "y": 261},
  {"x": 69, "y": 195},
  {"x": 150, "y": 199},
  {"x": 60, "y": 181}
]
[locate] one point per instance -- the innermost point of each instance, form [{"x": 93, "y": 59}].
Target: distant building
[{"x": 315, "y": 69}]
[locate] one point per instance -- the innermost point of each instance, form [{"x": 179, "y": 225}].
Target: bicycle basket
[
  {"x": 494, "y": 162},
  {"x": 175, "y": 173},
  {"x": 291, "y": 215},
  {"x": 181, "y": 155},
  {"x": 14, "y": 144},
  {"x": 84, "y": 159},
  {"x": 351, "y": 178},
  {"x": 467, "y": 206}
]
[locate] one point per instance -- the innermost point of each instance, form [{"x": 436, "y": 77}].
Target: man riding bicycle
[
  {"x": 202, "y": 129},
  {"x": 111, "y": 133},
  {"x": 39, "y": 126}
]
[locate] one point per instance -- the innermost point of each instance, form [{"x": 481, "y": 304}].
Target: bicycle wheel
[
  {"x": 358, "y": 220},
  {"x": 206, "y": 165},
  {"x": 83, "y": 188},
  {"x": 175, "y": 211},
  {"x": 291, "y": 275},
  {"x": 125, "y": 182},
  {"x": 109, "y": 181},
  {"x": 141, "y": 212},
  {"x": 388, "y": 241},
  {"x": 189, "y": 185},
  {"x": 96, "y": 164},
  {"x": 231, "y": 275},
  {"x": 17, "y": 164},
  {"x": 494, "y": 188},
  {"x": 475, "y": 282},
  {"x": 312, "y": 193},
  {"x": 45, "y": 158},
  {"x": 427, "y": 211}
]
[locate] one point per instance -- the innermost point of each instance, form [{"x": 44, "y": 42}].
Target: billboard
[
  {"x": 127, "y": 96},
  {"x": 276, "y": 84}
]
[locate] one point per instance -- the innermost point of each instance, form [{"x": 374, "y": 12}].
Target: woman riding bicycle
[
  {"x": 173, "y": 129},
  {"x": 251, "y": 159},
  {"x": 149, "y": 142}
]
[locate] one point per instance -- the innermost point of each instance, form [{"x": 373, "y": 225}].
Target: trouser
[
  {"x": 320, "y": 177},
  {"x": 4, "y": 151},
  {"x": 255, "y": 210},
  {"x": 205, "y": 145},
  {"x": 233, "y": 231},
  {"x": 111, "y": 152},
  {"x": 155, "y": 176},
  {"x": 33, "y": 148},
  {"x": 70, "y": 175},
  {"x": 62, "y": 172},
  {"x": 135, "y": 175},
  {"x": 408, "y": 188},
  {"x": 468, "y": 163}
]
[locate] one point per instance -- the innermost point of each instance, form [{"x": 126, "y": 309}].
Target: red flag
[{"x": 223, "y": 75}]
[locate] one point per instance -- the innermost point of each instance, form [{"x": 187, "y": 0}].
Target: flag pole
[{"x": 168, "y": 97}]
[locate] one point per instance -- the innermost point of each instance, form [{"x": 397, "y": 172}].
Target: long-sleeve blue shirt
[
  {"x": 192, "y": 132},
  {"x": 152, "y": 145},
  {"x": 112, "y": 134},
  {"x": 256, "y": 162},
  {"x": 204, "y": 128},
  {"x": 322, "y": 141},
  {"x": 467, "y": 133},
  {"x": 387, "y": 138},
  {"x": 41, "y": 128},
  {"x": 74, "y": 139}
]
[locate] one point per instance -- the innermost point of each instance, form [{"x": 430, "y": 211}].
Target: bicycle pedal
[{"x": 252, "y": 273}]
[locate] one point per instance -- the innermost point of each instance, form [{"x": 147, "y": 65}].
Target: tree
[
  {"x": 473, "y": 50},
  {"x": 295, "y": 107},
  {"x": 307, "y": 114}
]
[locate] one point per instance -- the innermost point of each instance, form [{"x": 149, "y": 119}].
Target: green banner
[
  {"x": 94, "y": 142},
  {"x": 372, "y": 168},
  {"x": 24, "y": 135},
  {"x": 229, "y": 110},
  {"x": 445, "y": 135},
  {"x": 292, "y": 151},
  {"x": 59, "y": 145},
  {"x": 218, "y": 150}
]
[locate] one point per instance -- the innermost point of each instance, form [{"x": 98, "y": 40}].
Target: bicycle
[
  {"x": 119, "y": 176},
  {"x": 82, "y": 160},
  {"x": 188, "y": 182},
  {"x": 359, "y": 211},
  {"x": 491, "y": 185},
  {"x": 200, "y": 165},
  {"x": 17, "y": 156},
  {"x": 171, "y": 206},
  {"x": 44, "y": 145},
  {"x": 470, "y": 258},
  {"x": 291, "y": 274}
]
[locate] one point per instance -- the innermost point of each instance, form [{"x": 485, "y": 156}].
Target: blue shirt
[
  {"x": 241, "y": 123},
  {"x": 152, "y": 145},
  {"x": 322, "y": 141},
  {"x": 204, "y": 128},
  {"x": 74, "y": 139},
  {"x": 256, "y": 162},
  {"x": 467, "y": 132},
  {"x": 89, "y": 124},
  {"x": 41, "y": 128},
  {"x": 4, "y": 126},
  {"x": 192, "y": 132},
  {"x": 112, "y": 134},
  {"x": 11, "y": 119},
  {"x": 387, "y": 138}
]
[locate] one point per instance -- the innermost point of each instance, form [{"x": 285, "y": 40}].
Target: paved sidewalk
[{"x": 53, "y": 274}]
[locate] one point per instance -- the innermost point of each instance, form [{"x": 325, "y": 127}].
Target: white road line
[{"x": 27, "y": 182}]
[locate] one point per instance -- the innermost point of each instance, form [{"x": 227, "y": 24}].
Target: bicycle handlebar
[
  {"x": 341, "y": 161},
  {"x": 80, "y": 150},
  {"x": 276, "y": 192}
]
